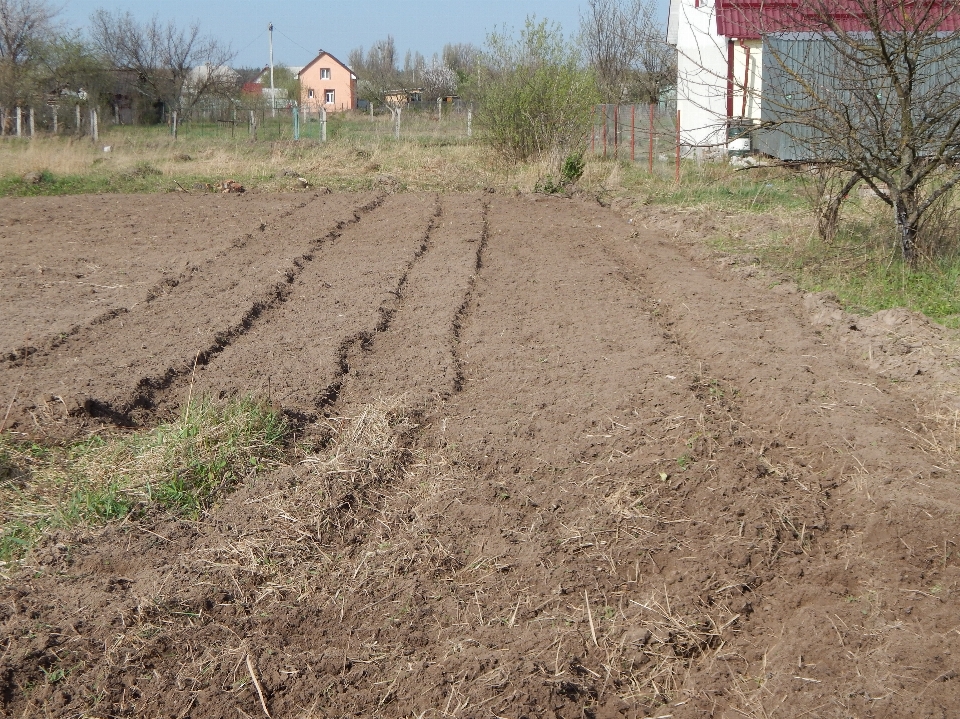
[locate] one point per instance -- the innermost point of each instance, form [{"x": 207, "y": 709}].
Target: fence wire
[{"x": 644, "y": 134}]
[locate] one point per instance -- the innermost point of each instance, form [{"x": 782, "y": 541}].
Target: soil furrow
[
  {"x": 67, "y": 261},
  {"x": 463, "y": 311},
  {"x": 149, "y": 390},
  {"x": 154, "y": 344},
  {"x": 352, "y": 351},
  {"x": 416, "y": 359},
  {"x": 346, "y": 296}
]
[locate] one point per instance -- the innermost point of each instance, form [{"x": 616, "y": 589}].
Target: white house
[{"x": 719, "y": 61}]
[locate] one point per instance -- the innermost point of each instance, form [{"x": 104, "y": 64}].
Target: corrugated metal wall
[{"x": 843, "y": 103}]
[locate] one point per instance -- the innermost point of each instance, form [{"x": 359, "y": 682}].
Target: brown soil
[{"x": 614, "y": 477}]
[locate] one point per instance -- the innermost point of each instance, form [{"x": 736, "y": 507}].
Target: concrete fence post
[{"x": 19, "y": 122}]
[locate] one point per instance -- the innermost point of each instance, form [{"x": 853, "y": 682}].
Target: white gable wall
[{"x": 701, "y": 75}]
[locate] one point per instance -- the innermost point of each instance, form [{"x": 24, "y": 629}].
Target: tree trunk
[
  {"x": 829, "y": 211},
  {"x": 908, "y": 224}
]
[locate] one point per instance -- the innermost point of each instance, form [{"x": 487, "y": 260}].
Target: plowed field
[{"x": 614, "y": 477}]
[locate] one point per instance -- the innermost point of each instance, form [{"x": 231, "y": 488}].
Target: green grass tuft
[{"x": 182, "y": 466}]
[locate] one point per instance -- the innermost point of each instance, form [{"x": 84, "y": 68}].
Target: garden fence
[{"x": 644, "y": 134}]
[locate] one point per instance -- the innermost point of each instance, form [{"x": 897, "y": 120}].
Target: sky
[{"x": 303, "y": 27}]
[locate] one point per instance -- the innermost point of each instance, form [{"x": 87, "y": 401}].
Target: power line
[
  {"x": 250, "y": 44},
  {"x": 293, "y": 41}
]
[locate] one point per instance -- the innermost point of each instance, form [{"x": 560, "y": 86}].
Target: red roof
[{"x": 749, "y": 19}]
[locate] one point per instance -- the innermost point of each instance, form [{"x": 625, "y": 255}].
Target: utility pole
[{"x": 273, "y": 97}]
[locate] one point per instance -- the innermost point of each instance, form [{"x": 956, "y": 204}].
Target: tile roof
[{"x": 750, "y": 19}]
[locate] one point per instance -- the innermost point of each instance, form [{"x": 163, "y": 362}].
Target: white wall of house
[{"x": 701, "y": 75}]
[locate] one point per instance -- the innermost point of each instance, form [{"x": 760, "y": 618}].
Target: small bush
[
  {"x": 535, "y": 94},
  {"x": 41, "y": 177},
  {"x": 144, "y": 169}
]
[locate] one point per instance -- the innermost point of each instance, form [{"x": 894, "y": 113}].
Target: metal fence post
[
  {"x": 616, "y": 131},
  {"x": 650, "y": 134},
  {"x": 678, "y": 147},
  {"x": 296, "y": 122},
  {"x": 605, "y": 120}
]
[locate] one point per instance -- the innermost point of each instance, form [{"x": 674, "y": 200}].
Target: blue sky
[{"x": 301, "y": 27}]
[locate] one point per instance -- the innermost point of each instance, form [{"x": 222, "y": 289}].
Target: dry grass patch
[{"x": 363, "y": 468}]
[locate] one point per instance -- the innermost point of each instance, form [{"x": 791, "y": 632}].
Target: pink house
[{"x": 326, "y": 82}]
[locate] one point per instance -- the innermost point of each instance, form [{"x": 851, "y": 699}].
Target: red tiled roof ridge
[{"x": 750, "y": 19}]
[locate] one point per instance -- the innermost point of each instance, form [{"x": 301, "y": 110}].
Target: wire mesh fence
[
  {"x": 645, "y": 134},
  {"x": 423, "y": 122}
]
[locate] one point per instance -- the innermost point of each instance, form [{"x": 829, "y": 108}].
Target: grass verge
[
  {"x": 715, "y": 185},
  {"x": 861, "y": 266},
  {"x": 181, "y": 466}
]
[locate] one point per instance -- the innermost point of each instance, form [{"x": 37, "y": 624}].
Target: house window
[
  {"x": 329, "y": 97},
  {"x": 324, "y": 73},
  {"x": 310, "y": 93}
]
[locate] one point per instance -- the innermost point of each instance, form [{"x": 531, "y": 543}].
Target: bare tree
[
  {"x": 376, "y": 71},
  {"x": 875, "y": 92},
  {"x": 462, "y": 58},
  {"x": 176, "y": 66},
  {"x": 626, "y": 47},
  {"x": 69, "y": 65},
  {"x": 413, "y": 66},
  {"x": 25, "y": 26}
]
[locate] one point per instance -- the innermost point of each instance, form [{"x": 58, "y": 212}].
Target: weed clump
[
  {"x": 570, "y": 171},
  {"x": 144, "y": 169},
  {"x": 181, "y": 466},
  {"x": 40, "y": 177}
]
